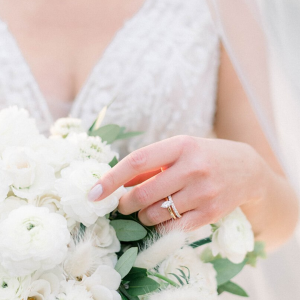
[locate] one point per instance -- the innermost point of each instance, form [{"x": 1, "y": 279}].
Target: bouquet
[{"x": 57, "y": 245}]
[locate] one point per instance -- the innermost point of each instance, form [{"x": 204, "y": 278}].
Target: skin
[{"x": 207, "y": 178}]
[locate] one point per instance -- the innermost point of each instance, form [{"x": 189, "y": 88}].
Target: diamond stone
[{"x": 167, "y": 204}]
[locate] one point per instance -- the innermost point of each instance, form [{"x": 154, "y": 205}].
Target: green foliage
[
  {"x": 113, "y": 162},
  {"x": 126, "y": 261},
  {"x": 258, "y": 252},
  {"x": 201, "y": 242},
  {"x": 135, "y": 273},
  {"x": 112, "y": 132},
  {"x": 232, "y": 288},
  {"x": 128, "y": 231},
  {"x": 142, "y": 286},
  {"x": 226, "y": 270}
]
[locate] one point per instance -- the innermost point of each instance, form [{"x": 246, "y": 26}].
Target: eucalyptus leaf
[
  {"x": 258, "y": 252},
  {"x": 126, "y": 261},
  {"x": 128, "y": 231},
  {"x": 108, "y": 133},
  {"x": 135, "y": 273},
  {"x": 232, "y": 288},
  {"x": 226, "y": 270},
  {"x": 127, "y": 135},
  {"x": 125, "y": 294},
  {"x": 142, "y": 286}
]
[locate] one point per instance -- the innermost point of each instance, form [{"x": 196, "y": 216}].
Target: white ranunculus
[
  {"x": 92, "y": 147},
  {"x": 233, "y": 237},
  {"x": 103, "y": 284},
  {"x": 57, "y": 152},
  {"x": 8, "y": 205},
  {"x": 30, "y": 177},
  {"x": 188, "y": 258},
  {"x": 13, "y": 288},
  {"x": 16, "y": 128},
  {"x": 64, "y": 126},
  {"x": 32, "y": 238},
  {"x": 74, "y": 185}
]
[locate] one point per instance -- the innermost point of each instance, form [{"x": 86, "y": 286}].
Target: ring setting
[{"x": 169, "y": 204}]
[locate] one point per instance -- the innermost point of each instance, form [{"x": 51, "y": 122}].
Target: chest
[{"x": 62, "y": 40}]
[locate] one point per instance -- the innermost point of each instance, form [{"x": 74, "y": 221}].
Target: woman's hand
[{"x": 207, "y": 179}]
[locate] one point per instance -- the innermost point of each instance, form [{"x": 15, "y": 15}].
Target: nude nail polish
[{"x": 95, "y": 192}]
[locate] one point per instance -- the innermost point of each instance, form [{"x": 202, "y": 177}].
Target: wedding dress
[{"x": 161, "y": 68}]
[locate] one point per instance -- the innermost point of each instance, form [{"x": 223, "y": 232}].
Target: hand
[{"x": 207, "y": 179}]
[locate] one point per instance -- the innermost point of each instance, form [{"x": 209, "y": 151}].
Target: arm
[{"x": 275, "y": 214}]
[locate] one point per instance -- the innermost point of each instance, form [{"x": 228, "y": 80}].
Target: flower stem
[
  {"x": 164, "y": 278},
  {"x": 201, "y": 242}
]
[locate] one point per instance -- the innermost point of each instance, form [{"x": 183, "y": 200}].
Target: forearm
[{"x": 274, "y": 215}]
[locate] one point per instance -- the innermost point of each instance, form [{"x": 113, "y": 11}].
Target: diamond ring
[{"x": 169, "y": 204}]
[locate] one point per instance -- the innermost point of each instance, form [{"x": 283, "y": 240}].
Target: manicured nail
[{"x": 95, "y": 192}]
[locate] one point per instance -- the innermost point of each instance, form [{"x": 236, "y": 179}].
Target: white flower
[
  {"x": 13, "y": 288},
  {"x": 233, "y": 237},
  {"x": 29, "y": 176},
  {"x": 8, "y": 205},
  {"x": 64, "y": 126},
  {"x": 74, "y": 185},
  {"x": 92, "y": 147},
  {"x": 45, "y": 284},
  {"x": 32, "y": 238},
  {"x": 16, "y": 128},
  {"x": 56, "y": 152},
  {"x": 187, "y": 258},
  {"x": 5, "y": 182},
  {"x": 73, "y": 291},
  {"x": 103, "y": 284}
]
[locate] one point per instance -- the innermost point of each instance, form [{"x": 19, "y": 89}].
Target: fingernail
[{"x": 95, "y": 192}]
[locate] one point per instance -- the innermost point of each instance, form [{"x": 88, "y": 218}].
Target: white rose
[
  {"x": 16, "y": 128},
  {"x": 8, "y": 205},
  {"x": 203, "y": 273},
  {"x": 74, "y": 185},
  {"x": 64, "y": 126},
  {"x": 233, "y": 237},
  {"x": 92, "y": 147},
  {"x": 32, "y": 238},
  {"x": 13, "y": 288},
  {"x": 29, "y": 176}
]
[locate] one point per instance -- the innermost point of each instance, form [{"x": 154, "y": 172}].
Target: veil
[
  {"x": 262, "y": 38},
  {"x": 262, "y": 41}
]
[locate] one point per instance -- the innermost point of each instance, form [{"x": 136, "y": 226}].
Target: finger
[
  {"x": 141, "y": 178},
  {"x": 151, "y": 191},
  {"x": 144, "y": 160},
  {"x": 155, "y": 214}
]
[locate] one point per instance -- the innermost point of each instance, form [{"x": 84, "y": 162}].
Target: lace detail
[{"x": 161, "y": 67}]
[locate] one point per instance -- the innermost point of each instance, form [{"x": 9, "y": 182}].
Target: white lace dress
[{"x": 162, "y": 69}]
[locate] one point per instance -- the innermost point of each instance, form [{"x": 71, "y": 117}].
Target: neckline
[{"x": 88, "y": 81}]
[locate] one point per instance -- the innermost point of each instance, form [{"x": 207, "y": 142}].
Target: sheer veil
[{"x": 262, "y": 37}]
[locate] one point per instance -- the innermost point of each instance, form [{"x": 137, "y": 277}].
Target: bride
[{"x": 160, "y": 65}]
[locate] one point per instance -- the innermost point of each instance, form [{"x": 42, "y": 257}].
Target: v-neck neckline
[{"x": 82, "y": 91}]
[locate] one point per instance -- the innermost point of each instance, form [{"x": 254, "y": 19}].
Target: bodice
[{"x": 160, "y": 70}]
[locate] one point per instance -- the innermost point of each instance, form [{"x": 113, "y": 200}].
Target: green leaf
[
  {"x": 107, "y": 133},
  {"x": 135, "y": 273},
  {"x": 201, "y": 242},
  {"x": 232, "y": 288},
  {"x": 226, "y": 269},
  {"x": 128, "y": 231},
  {"x": 142, "y": 286},
  {"x": 126, "y": 135},
  {"x": 126, "y": 261},
  {"x": 126, "y": 296},
  {"x": 258, "y": 252},
  {"x": 178, "y": 278},
  {"x": 113, "y": 162}
]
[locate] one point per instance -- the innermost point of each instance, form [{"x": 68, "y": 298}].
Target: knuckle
[
  {"x": 211, "y": 193},
  {"x": 142, "y": 196},
  {"x": 186, "y": 142},
  {"x": 109, "y": 180},
  {"x": 214, "y": 212},
  {"x": 137, "y": 159}
]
